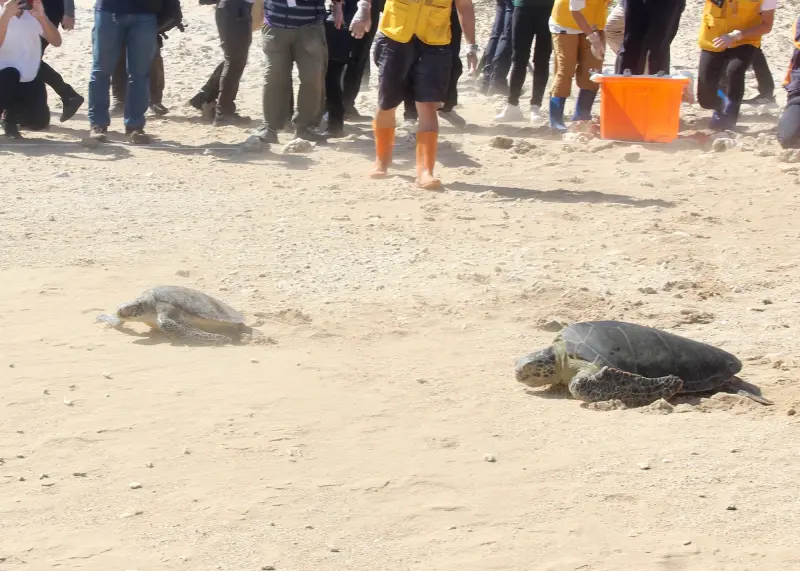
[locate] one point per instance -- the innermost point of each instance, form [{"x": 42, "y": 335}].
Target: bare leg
[
  {"x": 427, "y": 142},
  {"x": 383, "y": 126}
]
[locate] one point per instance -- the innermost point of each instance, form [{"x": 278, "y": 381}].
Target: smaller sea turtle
[
  {"x": 182, "y": 314},
  {"x": 607, "y": 360}
]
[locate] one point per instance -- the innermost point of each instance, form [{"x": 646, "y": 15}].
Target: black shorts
[{"x": 422, "y": 67}]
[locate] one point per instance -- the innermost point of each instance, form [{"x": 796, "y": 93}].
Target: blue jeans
[
  {"x": 498, "y": 49},
  {"x": 138, "y": 33}
]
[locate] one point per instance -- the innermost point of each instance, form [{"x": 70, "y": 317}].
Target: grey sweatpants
[{"x": 283, "y": 47}]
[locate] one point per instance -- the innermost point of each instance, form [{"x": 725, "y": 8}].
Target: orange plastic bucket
[{"x": 640, "y": 107}]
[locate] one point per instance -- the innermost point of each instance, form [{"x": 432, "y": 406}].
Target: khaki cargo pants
[{"x": 574, "y": 57}]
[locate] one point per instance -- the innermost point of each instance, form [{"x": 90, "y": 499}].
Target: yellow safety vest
[
  {"x": 734, "y": 15},
  {"x": 429, "y": 20},
  {"x": 595, "y": 12}
]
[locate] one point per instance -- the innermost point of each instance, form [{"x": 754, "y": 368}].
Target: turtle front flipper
[
  {"x": 613, "y": 384},
  {"x": 111, "y": 320},
  {"x": 179, "y": 331},
  {"x": 737, "y": 386}
]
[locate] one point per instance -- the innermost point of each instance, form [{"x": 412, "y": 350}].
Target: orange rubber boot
[
  {"x": 427, "y": 143},
  {"x": 384, "y": 144}
]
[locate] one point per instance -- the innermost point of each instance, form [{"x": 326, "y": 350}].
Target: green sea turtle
[
  {"x": 183, "y": 314},
  {"x": 607, "y": 360}
]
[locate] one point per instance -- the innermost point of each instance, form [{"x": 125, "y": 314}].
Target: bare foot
[
  {"x": 426, "y": 180},
  {"x": 379, "y": 170}
]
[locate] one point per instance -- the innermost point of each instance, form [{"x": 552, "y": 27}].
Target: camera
[{"x": 25, "y": 4}]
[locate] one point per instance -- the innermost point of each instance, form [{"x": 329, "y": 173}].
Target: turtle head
[
  {"x": 538, "y": 368},
  {"x": 132, "y": 310}
]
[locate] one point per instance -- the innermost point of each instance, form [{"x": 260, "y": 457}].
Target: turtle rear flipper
[
  {"x": 175, "y": 328},
  {"x": 613, "y": 384}
]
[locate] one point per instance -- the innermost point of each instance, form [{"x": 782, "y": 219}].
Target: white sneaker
[
  {"x": 537, "y": 118},
  {"x": 510, "y": 113}
]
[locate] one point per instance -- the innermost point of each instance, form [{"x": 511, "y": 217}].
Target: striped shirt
[{"x": 293, "y": 13}]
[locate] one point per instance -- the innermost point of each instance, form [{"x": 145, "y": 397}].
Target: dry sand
[{"x": 360, "y": 440}]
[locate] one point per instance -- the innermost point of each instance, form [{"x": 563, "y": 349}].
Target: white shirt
[{"x": 22, "y": 48}]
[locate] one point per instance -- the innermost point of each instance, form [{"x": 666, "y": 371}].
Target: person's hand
[
  {"x": 361, "y": 22},
  {"x": 472, "y": 60},
  {"x": 12, "y": 8},
  {"x": 598, "y": 45},
  {"x": 472, "y": 63},
  {"x": 727, "y": 40},
  {"x": 37, "y": 9},
  {"x": 359, "y": 27},
  {"x": 338, "y": 15},
  {"x": 68, "y": 22}
]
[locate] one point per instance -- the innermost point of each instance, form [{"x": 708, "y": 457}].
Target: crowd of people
[{"x": 416, "y": 48}]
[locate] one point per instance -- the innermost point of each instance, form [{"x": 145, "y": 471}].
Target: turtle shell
[
  {"x": 197, "y": 304},
  {"x": 650, "y": 353}
]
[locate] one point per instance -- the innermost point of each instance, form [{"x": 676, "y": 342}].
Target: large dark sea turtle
[{"x": 613, "y": 360}]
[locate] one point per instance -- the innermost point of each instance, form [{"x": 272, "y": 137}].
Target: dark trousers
[
  {"x": 456, "y": 69},
  {"x": 650, "y": 27},
  {"x": 358, "y": 66},
  {"x": 334, "y": 94},
  {"x": 789, "y": 124},
  {"x": 733, "y": 63},
  {"x": 766, "y": 84},
  {"x": 54, "y": 10},
  {"x": 497, "y": 56},
  {"x": 24, "y": 104},
  {"x": 52, "y": 78},
  {"x": 529, "y": 23},
  {"x": 340, "y": 55},
  {"x": 234, "y": 25},
  {"x": 119, "y": 79}
]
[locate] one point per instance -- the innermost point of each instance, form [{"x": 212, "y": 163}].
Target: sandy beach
[{"x": 383, "y": 429}]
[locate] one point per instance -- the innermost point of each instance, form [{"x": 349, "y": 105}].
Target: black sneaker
[
  {"x": 11, "y": 129},
  {"x": 198, "y": 101},
  {"x": 224, "y": 119},
  {"x": 158, "y": 109},
  {"x": 309, "y": 135},
  {"x": 267, "y": 135},
  {"x": 352, "y": 114},
  {"x": 333, "y": 131},
  {"x": 453, "y": 118},
  {"x": 99, "y": 134},
  {"x": 760, "y": 100},
  {"x": 70, "y": 106},
  {"x": 137, "y": 136}
]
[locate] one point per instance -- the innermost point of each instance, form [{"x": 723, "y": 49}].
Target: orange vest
[{"x": 734, "y": 15}]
